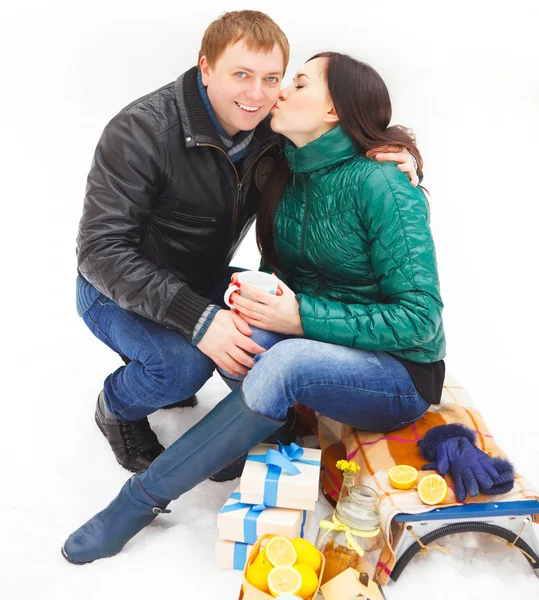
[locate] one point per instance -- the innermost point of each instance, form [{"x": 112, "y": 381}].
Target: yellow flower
[{"x": 347, "y": 466}]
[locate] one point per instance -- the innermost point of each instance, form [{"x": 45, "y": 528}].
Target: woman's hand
[{"x": 273, "y": 312}]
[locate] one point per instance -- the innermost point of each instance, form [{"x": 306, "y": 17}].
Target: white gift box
[
  {"x": 243, "y": 522},
  {"x": 274, "y": 485},
  {"x": 232, "y": 555}
]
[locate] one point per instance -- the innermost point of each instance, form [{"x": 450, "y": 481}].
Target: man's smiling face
[{"x": 243, "y": 85}]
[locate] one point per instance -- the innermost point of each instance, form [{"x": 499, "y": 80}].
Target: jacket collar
[
  {"x": 196, "y": 123},
  {"x": 333, "y": 147}
]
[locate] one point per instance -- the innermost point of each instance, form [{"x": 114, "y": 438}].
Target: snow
[{"x": 57, "y": 486}]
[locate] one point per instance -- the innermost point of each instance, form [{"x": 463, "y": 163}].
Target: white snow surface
[{"x": 75, "y": 475}]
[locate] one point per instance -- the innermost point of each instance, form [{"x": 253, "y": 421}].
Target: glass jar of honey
[{"x": 351, "y": 536}]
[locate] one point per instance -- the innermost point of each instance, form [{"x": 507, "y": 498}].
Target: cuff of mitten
[
  {"x": 204, "y": 322},
  {"x": 428, "y": 445},
  {"x": 505, "y": 482},
  {"x": 185, "y": 310}
]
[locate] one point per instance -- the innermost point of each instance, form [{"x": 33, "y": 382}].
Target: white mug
[{"x": 257, "y": 279}]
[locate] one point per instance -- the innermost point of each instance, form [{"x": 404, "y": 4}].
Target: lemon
[
  {"x": 309, "y": 581},
  {"x": 257, "y": 575},
  {"x": 432, "y": 489},
  {"x": 262, "y": 561},
  {"x": 402, "y": 477},
  {"x": 280, "y": 552},
  {"x": 307, "y": 554},
  {"x": 284, "y": 580}
]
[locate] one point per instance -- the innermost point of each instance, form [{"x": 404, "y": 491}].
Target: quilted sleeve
[{"x": 403, "y": 259}]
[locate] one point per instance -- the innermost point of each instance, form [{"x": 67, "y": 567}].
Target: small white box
[
  {"x": 242, "y": 523},
  {"x": 287, "y": 491}
]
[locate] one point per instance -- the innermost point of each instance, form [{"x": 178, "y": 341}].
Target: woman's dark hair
[{"x": 362, "y": 103}]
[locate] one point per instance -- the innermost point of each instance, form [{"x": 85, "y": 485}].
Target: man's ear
[
  {"x": 204, "y": 70},
  {"x": 331, "y": 116}
]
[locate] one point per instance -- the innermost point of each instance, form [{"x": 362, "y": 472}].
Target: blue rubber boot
[
  {"x": 224, "y": 434},
  {"x": 106, "y": 533}
]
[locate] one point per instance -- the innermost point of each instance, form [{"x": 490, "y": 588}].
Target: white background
[{"x": 463, "y": 75}]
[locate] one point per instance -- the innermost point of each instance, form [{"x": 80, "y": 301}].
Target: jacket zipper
[
  {"x": 293, "y": 175},
  {"x": 319, "y": 283},
  {"x": 306, "y": 218},
  {"x": 239, "y": 184}
]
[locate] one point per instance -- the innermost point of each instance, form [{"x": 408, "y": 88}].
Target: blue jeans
[
  {"x": 368, "y": 390},
  {"x": 165, "y": 367}
]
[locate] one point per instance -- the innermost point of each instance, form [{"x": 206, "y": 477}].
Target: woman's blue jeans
[{"x": 368, "y": 390}]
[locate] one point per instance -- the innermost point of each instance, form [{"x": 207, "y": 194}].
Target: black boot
[
  {"x": 188, "y": 403},
  {"x": 134, "y": 444},
  {"x": 285, "y": 434},
  {"x": 226, "y": 432}
]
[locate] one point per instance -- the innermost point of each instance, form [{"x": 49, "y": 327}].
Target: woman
[{"x": 360, "y": 339}]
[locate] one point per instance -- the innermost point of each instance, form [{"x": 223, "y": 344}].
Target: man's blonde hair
[{"x": 259, "y": 32}]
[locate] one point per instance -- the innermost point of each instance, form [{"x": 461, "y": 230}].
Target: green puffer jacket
[{"x": 354, "y": 243}]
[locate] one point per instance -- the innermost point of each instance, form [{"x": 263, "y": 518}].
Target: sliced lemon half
[
  {"x": 280, "y": 552},
  {"x": 402, "y": 477},
  {"x": 432, "y": 489},
  {"x": 284, "y": 580}
]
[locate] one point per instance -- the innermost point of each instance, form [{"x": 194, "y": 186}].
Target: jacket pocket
[{"x": 193, "y": 218}]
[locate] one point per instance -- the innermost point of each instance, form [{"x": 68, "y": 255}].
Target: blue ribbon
[
  {"x": 240, "y": 556},
  {"x": 302, "y": 532},
  {"x": 249, "y": 522},
  {"x": 278, "y": 461}
]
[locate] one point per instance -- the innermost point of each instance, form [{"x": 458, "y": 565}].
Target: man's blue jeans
[
  {"x": 369, "y": 390},
  {"x": 165, "y": 367}
]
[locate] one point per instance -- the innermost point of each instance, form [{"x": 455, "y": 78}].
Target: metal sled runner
[{"x": 509, "y": 521}]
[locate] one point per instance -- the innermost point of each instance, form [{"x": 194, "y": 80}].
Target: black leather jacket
[{"x": 165, "y": 208}]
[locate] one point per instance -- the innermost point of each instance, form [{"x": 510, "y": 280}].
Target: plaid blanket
[{"x": 376, "y": 453}]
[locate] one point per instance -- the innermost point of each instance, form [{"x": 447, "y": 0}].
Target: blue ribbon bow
[
  {"x": 278, "y": 461},
  {"x": 249, "y": 522}
]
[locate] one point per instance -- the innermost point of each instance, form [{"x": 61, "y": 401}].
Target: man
[{"x": 172, "y": 191}]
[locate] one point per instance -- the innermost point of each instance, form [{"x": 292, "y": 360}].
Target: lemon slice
[
  {"x": 402, "y": 477},
  {"x": 284, "y": 580},
  {"x": 432, "y": 489},
  {"x": 280, "y": 552}
]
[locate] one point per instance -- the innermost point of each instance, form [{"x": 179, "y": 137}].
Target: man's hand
[
  {"x": 227, "y": 342},
  {"x": 272, "y": 312},
  {"x": 403, "y": 158}
]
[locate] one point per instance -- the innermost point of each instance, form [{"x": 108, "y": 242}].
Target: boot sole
[
  {"x": 123, "y": 466},
  {"x": 72, "y": 561},
  {"x": 78, "y": 562}
]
